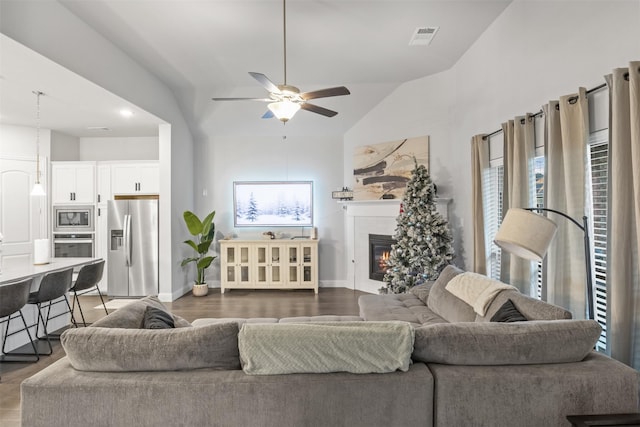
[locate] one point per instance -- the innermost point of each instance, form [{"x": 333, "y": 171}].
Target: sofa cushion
[
  {"x": 401, "y": 307},
  {"x": 508, "y": 313},
  {"x": 118, "y": 349},
  {"x": 520, "y": 343},
  {"x": 355, "y": 347},
  {"x": 131, "y": 315},
  {"x": 444, "y": 303},
  {"x": 422, "y": 291},
  {"x": 238, "y": 320},
  {"x": 320, "y": 319}
]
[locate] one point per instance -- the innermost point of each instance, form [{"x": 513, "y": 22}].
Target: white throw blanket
[{"x": 476, "y": 290}]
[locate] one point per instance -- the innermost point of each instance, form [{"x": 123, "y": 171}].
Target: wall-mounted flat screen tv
[{"x": 273, "y": 203}]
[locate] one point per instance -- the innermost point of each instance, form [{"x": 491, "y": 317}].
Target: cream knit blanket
[
  {"x": 356, "y": 347},
  {"x": 476, "y": 290}
]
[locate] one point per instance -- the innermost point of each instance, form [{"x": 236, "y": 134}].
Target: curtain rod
[{"x": 539, "y": 113}]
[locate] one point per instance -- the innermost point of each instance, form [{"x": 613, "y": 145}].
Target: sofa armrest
[{"x": 518, "y": 343}]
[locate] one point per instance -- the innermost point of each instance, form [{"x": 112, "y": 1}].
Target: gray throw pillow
[
  {"x": 154, "y": 318},
  {"x": 131, "y": 316},
  {"x": 508, "y": 313},
  {"x": 123, "y": 350}
]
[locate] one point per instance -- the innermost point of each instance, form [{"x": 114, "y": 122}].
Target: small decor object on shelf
[
  {"x": 204, "y": 232},
  {"x": 269, "y": 235},
  {"x": 344, "y": 194},
  {"x": 423, "y": 245}
]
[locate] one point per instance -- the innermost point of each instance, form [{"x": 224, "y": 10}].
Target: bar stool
[
  {"x": 88, "y": 278},
  {"x": 13, "y": 297},
  {"x": 53, "y": 290}
]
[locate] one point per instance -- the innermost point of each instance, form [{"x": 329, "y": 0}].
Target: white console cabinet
[{"x": 269, "y": 264}]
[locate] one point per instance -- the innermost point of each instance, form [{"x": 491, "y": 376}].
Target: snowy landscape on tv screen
[{"x": 284, "y": 204}]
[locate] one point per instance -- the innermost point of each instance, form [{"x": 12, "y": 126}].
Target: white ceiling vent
[
  {"x": 98, "y": 128},
  {"x": 422, "y": 36}
]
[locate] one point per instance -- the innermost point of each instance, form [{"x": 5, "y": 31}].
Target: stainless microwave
[{"x": 72, "y": 218}]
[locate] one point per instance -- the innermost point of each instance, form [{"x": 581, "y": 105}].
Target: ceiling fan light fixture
[{"x": 284, "y": 110}]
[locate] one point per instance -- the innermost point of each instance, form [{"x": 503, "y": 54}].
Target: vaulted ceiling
[{"x": 204, "y": 49}]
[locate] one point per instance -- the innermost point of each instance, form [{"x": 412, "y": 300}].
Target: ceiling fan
[{"x": 285, "y": 100}]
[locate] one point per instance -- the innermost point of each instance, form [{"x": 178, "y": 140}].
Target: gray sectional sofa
[{"x": 425, "y": 358}]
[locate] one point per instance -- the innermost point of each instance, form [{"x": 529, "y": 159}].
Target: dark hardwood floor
[{"x": 235, "y": 303}]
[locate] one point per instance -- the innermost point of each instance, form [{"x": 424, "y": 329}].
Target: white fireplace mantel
[
  {"x": 364, "y": 217},
  {"x": 389, "y": 207}
]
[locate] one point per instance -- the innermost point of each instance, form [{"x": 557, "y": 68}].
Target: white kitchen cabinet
[
  {"x": 73, "y": 182},
  {"x": 103, "y": 185},
  {"x": 135, "y": 178},
  {"x": 260, "y": 264}
]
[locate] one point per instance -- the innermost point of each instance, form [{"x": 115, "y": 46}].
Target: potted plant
[{"x": 203, "y": 231}]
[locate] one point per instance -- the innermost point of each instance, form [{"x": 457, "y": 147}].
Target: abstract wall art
[{"x": 381, "y": 171}]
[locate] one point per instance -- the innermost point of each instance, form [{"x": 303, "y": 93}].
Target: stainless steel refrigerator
[{"x": 133, "y": 247}]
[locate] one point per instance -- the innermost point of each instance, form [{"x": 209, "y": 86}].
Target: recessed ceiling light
[{"x": 126, "y": 113}]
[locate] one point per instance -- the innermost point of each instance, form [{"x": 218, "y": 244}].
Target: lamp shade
[
  {"x": 526, "y": 234},
  {"x": 284, "y": 110},
  {"x": 38, "y": 190}
]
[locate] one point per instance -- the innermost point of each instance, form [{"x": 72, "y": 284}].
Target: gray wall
[
  {"x": 225, "y": 159},
  {"x": 532, "y": 53}
]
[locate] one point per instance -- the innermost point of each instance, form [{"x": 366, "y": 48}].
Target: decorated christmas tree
[{"x": 423, "y": 240}]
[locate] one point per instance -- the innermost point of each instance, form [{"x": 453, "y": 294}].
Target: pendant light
[{"x": 38, "y": 189}]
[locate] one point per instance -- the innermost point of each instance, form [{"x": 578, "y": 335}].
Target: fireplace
[{"x": 379, "y": 250}]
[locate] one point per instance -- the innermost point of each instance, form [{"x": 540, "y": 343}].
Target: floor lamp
[{"x": 528, "y": 235}]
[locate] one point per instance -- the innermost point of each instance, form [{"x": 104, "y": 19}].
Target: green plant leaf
[
  {"x": 205, "y": 262},
  {"x": 192, "y": 244},
  {"x": 193, "y": 223},
  {"x": 204, "y": 245},
  {"x": 207, "y": 224},
  {"x": 187, "y": 261}
]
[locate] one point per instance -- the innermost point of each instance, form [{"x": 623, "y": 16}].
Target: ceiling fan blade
[
  {"x": 268, "y": 115},
  {"x": 243, "y": 99},
  {"x": 317, "y": 109},
  {"x": 265, "y": 82},
  {"x": 325, "y": 93}
]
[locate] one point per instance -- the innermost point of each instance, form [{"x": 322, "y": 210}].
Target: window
[
  {"x": 596, "y": 205},
  {"x": 538, "y": 169},
  {"x": 598, "y": 176},
  {"x": 493, "y": 190}
]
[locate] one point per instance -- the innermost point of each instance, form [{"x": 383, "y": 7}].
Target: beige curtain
[
  {"x": 479, "y": 163},
  {"x": 623, "y": 287},
  {"x": 519, "y": 151},
  {"x": 566, "y": 133}
]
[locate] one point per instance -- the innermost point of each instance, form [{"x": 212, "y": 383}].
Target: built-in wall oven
[
  {"x": 73, "y": 231},
  {"x": 73, "y": 245}
]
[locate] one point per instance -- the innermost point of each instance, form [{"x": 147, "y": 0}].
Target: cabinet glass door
[
  {"x": 275, "y": 252},
  {"x": 262, "y": 265},
  {"x": 244, "y": 264},
  {"x": 231, "y": 267},
  {"x": 293, "y": 270},
  {"x": 307, "y": 264}
]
